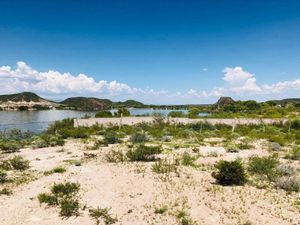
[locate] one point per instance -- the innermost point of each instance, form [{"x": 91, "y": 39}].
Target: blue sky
[{"x": 153, "y": 51}]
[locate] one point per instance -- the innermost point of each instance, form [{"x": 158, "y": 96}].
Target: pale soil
[
  {"x": 135, "y": 120},
  {"x": 133, "y": 191}
]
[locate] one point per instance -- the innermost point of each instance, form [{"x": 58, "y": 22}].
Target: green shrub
[
  {"x": 115, "y": 156},
  {"x": 143, "y": 153},
  {"x": 188, "y": 160},
  {"x": 264, "y": 166},
  {"x": 230, "y": 173},
  {"x": 45, "y": 140},
  {"x": 294, "y": 154},
  {"x": 138, "y": 137},
  {"x": 111, "y": 137},
  {"x": 15, "y": 163},
  {"x": 5, "y": 191},
  {"x": 69, "y": 207},
  {"x": 65, "y": 189},
  {"x": 64, "y": 196},
  {"x": 10, "y": 146},
  {"x": 48, "y": 199},
  {"x": 97, "y": 214},
  {"x": 3, "y": 176},
  {"x": 176, "y": 114},
  {"x": 163, "y": 166},
  {"x": 103, "y": 114},
  {"x": 161, "y": 210},
  {"x": 232, "y": 148},
  {"x": 55, "y": 170}
]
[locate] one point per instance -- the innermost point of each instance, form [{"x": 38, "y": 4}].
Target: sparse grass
[
  {"x": 163, "y": 166},
  {"x": 15, "y": 163},
  {"x": 264, "y": 166},
  {"x": 294, "y": 154},
  {"x": 55, "y": 170},
  {"x": 188, "y": 160},
  {"x": 115, "y": 156},
  {"x": 161, "y": 210},
  {"x": 230, "y": 173},
  {"x": 63, "y": 195},
  {"x": 143, "y": 153},
  {"x": 99, "y": 215},
  {"x": 3, "y": 176},
  {"x": 138, "y": 137}
]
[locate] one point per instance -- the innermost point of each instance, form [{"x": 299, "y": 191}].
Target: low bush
[
  {"x": 138, "y": 137},
  {"x": 286, "y": 170},
  {"x": 55, "y": 170},
  {"x": 44, "y": 141},
  {"x": 15, "y": 163},
  {"x": 103, "y": 114},
  {"x": 176, "y": 114},
  {"x": 3, "y": 176},
  {"x": 266, "y": 166},
  {"x": 99, "y": 214},
  {"x": 232, "y": 148},
  {"x": 115, "y": 156},
  {"x": 161, "y": 210},
  {"x": 10, "y": 146},
  {"x": 63, "y": 195},
  {"x": 291, "y": 183},
  {"x": 294, "y": 154},
  {"x": 111, "y": 137},
  {"x": 188, "y": 160},
  {"x": 230, "y": 173},
  {"x": 143, "y": 153},
  {"x": 163, "y": 166}
]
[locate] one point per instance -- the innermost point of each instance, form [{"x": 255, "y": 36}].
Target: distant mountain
[
  {"x": 25, "y": 101},
  {"x": 288, "y": 100},
  {"x": 90, "y": 103},
  {"x": 224, "y": 101},
  {"x": 86, "y": 103}
]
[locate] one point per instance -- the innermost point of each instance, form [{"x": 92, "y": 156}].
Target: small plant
[
  {"x": 286, "y": 170},
  {"x": 5, "y": 191},
  {"x": 111, "y": 137},
  {"x": 115, "y": 156},
  {"x": 3, "y": 176},
  {"x": 15, "y": 163},
  {"x": 294, "y": 154},
  {"x": 55, "y": 170},
  {"x": 232, "y": 148},
  {"x": 163, "y": 166},
  {"x": 138, "y": 137},
  {"x": 291, "y": 183},
  {"x": 69, "y": 207},
  {"x": 183, "y": 218},
  {"x": 230, "y": 173},
  {"x": 264, "y": 166},
  {"x": 161, "y": 210},
  {"x": 143, "y": 153},
  {"x": 103, "y": 114},
  {"x": 99, "y": 214},
  {"x": 188, "y": 160},
  {"x": 64, "y": 196}
]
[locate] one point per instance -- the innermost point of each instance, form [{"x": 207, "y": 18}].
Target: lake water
[{"x": 37, "y": 121}]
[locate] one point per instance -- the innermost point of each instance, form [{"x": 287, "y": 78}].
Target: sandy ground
[
  {"x": 136, "y": 120},
  {"x": 132, "y": 191}
]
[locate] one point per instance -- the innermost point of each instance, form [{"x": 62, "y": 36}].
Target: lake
[{"x": 37, "y": 121}]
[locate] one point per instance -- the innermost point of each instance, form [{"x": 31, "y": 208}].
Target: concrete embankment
[{"x": 135, "y": 120}]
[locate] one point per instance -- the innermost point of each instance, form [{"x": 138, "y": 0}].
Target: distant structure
[{"x": 224, "y": 101}]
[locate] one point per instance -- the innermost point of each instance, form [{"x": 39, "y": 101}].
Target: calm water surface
[{"x": 37, "y": 121}]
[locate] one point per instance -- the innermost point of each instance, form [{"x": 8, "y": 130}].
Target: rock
[{"x": 274, "y": 146}]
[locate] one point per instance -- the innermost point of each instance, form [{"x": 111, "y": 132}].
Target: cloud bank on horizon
[{"x": 238, "y": 83}]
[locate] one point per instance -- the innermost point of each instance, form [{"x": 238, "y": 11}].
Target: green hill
[
  {"x": 21, "y": 97},
  {"x": 86, "y": 103}
]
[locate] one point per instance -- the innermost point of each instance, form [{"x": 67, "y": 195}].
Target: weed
[
  {"x": 5, "y": 191},
  {"x": 69, "y": 207},
  {"x": 294, "y": 154},
  {"x": 161, "y": 210},
  {"x": 15, "y": 163},
  {"x": 163, "y": 166},
  {"x": 115, "y": 156},
  {"x": 55, "y": 170},
  {"x": 3, "y": 176},
  {"x": 188, "y": 160},
  {"x": 111, "y": 137},
  {"x": 143, "y": 153},
  {"x": 138, "y": 137},
  {"x": 97, "y": 214}
]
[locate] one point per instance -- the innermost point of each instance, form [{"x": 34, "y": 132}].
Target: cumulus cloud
[{"x": 238, "y": 83}]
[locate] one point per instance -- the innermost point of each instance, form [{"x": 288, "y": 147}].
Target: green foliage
[
  {"x": 138, "y": 137},
  {"x": 230, "y": 173},
  {"x": 99, "y": 214},
  {"x": 10, "y": 146},
  {"x": 69, "y": 207},
  {"x": 265, "y": 166},
  {"x": 103, "y": 114},
  {"x": 294, "y": 154},
  {"x": 163, "y": 166},
  {"x": 3, "y": 176},
  {"x": 143, "y": 153},
  {"x": 123, "y": 112},
  {"x": 193, "y": 112},
  {"x": 188, "y": 160},
  {"x": 176, "y": 114},
  {"x": 115, "y": 156},
  {"x": 45, "y": 140},
  {"x": 15, "y": 163},
  {"x": 161, "y": 210},
  {"x": 111, "y": 137},
  {"x": 55, "y": 170},
  {"x": 63, "y": 195}
]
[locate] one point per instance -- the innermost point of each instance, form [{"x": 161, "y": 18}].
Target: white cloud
[{"x": 239, "y": 83}]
